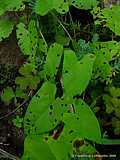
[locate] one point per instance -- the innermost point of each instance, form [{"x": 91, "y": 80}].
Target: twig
[
  {"x": 5, "y": 154},
  {"x": 62, "y": 26},
  {"x": 12, "y": 112},
  {"x": 40, "y": 32}
]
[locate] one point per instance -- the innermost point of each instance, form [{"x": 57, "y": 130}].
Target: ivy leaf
[
  {"x": 36, "y": 148},
  {"x": 53, "y": 60},
  {"x": 7, "y": 95},
  {"x": 76, "y": 72},
  {"x": 76, "y": 124},
  {"x": 6, "y": 28},
  {"x": 38, "y": 106}
]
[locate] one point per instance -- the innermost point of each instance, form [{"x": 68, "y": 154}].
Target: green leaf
[
  {"x": 53, "y": 60},
  {"x": 6, "y": 28},
  {"x": 27, "y": 38},
  {"x": 76, "y": 72},
  {"x": 30, "y": 81},
  {"x": 8, "y": 5},
  {"x": 112, "y": 101},
  {"x": 51, "y": 117},
  {"x": 37, "y": 148},
  {"x": 7, "y": 95},
  {"x": 63, "y": 8},
  {"x": 19, "y": 93},
  {"x": 84, "y": 4},
  {"x": 111, "y": 16},
  {"x": 60, "y": 37},
  {"x": 106, "y": 141},
  {"x": 27, "y": 69},
  {"x": 38, "y": 106},
  {"x": 42, "y": 7},
  {"x": 17, "y": 121},
  {"x": 61, "y": 150},
  {"x": 77, "y": 124},
  {"x": 23, "y": 39},
  {"x": 105, "y": 53},
  {"x": 42, "y": 46}
]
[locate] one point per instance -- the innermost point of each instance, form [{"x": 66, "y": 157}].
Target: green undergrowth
[{"x": 67, "y": 79}]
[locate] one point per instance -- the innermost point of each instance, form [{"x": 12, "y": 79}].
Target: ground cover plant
[{"x": 60, "y": 72}]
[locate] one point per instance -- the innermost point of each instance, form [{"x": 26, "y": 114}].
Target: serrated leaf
[
  {"x": 111, "y": 16},
  {"x": 27, "y": 69},
  {"x": 8, "y": 5},
  {"x": 105, "y": 52},
  {"x": 19, "y": 93},
  {"x": 6, "y": 28},
  {"x": 27, "y": 38},
  {"x": 7, "y": 95},
  {"x": 30, "y": 81},
  {"x": 84, "y": 4}
]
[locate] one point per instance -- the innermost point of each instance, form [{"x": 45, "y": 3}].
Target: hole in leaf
[
  {"x": 71, "y": 131},
  {"x": 78, "y": 143},
  {"x": 66, "y": 71},
  {"x": 51, "y": 107},
  {"x": 50, "y": 113},
  {"x": 55, "y": 120}
]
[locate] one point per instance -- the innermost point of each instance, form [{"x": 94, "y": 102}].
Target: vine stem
[
  {"x": 15, "y": 110},
  {"x": 62, "y": 26},
  {"x": 40, "y": 32}
]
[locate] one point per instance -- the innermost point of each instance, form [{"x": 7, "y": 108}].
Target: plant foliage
[{"x": 60, "y": 67}]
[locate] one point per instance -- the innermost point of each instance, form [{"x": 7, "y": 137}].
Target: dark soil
[{"x": 11, "y": 138}]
